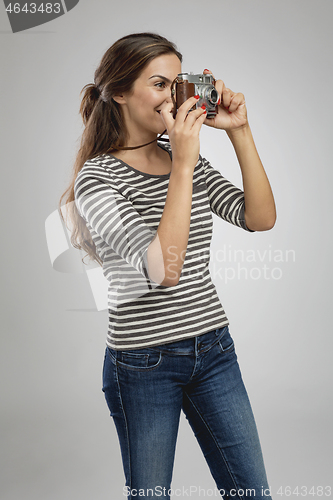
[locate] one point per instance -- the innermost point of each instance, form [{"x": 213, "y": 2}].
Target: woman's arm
[
  {"x": 226, "y": 200},
  {"x": 166, "y": 253},
  {"x": 260, "y": 213}
]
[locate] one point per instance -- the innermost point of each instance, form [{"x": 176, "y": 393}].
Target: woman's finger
[
  {"x": 236, "y": 101},
  {"x": 199, "y": 122},
  {"x": 166, "y": 114},
  {"x": 185, "y": 108},
  {"x": 226, "y": 97},
  {"x": 208, "y": 72},
  {"x": 194, "y": 115}
]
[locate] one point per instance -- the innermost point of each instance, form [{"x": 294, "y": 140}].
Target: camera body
[{"x": 189, "y": 85}]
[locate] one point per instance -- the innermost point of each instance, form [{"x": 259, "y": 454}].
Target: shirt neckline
[{"x": 139, "y": 171}]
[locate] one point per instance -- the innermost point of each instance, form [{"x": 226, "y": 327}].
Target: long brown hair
[{"x": 104, "y": 125}]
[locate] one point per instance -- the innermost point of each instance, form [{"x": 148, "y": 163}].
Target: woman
[{"x": 143, "y": 211}]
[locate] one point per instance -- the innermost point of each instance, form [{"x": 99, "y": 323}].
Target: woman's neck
[{"x": 150, "y": 159}]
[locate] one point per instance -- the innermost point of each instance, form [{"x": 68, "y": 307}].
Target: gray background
[{"x": 58, "y": 441}]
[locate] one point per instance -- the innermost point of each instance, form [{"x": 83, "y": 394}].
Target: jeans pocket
[
  {"x": 226, "y": 342},
  {"x": 143, "y": 359}
]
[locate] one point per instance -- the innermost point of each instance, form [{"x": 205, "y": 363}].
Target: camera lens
[{"x": 213, "y": 96}]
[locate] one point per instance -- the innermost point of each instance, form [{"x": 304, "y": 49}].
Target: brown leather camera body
[{"x": 184, "y": 90}]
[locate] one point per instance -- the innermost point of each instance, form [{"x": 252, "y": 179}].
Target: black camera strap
[{"x": 159, "y": 138}]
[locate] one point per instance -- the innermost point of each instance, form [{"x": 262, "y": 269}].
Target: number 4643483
[
  {"x": 304, "y": 491},
  {"x": 32, "y": 8}
]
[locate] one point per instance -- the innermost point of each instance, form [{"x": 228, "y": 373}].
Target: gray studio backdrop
[{"x": 58, "y": 440}]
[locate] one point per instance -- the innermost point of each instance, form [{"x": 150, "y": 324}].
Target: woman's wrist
[
  {"x": 240, "y": 134},
  {"x": 182, "y": 169}
]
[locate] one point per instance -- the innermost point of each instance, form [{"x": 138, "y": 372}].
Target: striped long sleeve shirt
[{"x": 122, "y": 208}]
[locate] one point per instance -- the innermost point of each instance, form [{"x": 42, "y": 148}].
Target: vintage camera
[{"x": 188, "y": 85}]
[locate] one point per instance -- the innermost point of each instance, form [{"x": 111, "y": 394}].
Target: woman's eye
[{"x": 160, "y": 84}]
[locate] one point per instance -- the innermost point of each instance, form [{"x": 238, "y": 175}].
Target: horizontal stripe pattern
[{"x": 122, "y": 208}]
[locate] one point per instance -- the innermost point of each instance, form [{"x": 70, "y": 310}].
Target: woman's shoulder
[
  {"x": 104, "y": 163},
  {"x": 98, "y": 168},
  {"x": 101, "y": 161}
]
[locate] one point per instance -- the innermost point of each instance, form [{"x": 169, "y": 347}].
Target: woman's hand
[
  {"x": 184, "y": 132},
  {"x": 232, "y": 112}
]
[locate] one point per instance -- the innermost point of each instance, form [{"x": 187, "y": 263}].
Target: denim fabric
[{"x": 146, "y": 389}]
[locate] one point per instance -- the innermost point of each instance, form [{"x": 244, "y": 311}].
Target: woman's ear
[{"x": 120, "y": 99}]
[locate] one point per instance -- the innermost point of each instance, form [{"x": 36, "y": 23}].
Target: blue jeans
[{"x": 146, "y": 389}]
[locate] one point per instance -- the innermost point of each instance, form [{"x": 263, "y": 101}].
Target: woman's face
[{"x": 150, "y": 91}]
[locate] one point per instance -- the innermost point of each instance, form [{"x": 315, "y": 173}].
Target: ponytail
[
  {"x": 105, "y": 129},
  {"x": 89, "y": 100}
]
